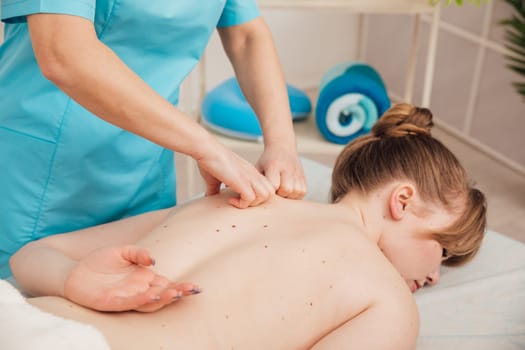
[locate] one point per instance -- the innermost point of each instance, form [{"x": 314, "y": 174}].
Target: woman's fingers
[
  {"x": 158, "y": 297},
  {"x": 134, "y": 301},
  {"x": 153, "y": 298},
  {"x": 189, "y": 289},
  {"x": 137, "y": 255}
]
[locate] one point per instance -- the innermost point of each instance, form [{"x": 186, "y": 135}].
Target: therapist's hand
[
  {"x": 221, "y": 165},
  {"x": 284, "y": 170},
  {"x": 117, "y": 278}
]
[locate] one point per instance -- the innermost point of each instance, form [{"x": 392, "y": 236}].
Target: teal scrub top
[{"x": 62, "y": 168}]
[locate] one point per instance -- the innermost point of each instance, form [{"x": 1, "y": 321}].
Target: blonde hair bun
[{"x": 404, "y": 119}]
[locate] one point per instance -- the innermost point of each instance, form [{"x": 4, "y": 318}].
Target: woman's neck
[{"x": 368, "y": 212}]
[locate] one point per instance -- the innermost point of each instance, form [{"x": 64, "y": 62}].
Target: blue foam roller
[
  {"x": 225, "y": 110},
  {"x": 352, "y": 96}
]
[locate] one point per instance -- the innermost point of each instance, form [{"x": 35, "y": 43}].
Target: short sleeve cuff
[
  {"x": 237, "y": 12},
  {"x": 15, "y": 11}
]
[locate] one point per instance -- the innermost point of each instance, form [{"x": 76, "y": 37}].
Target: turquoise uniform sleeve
[
  {"x": 237, "y": 12},
  {"x": 14, "y": 11}
]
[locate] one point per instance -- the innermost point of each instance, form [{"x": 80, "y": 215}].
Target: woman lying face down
[{"x": 284, "y": 275}]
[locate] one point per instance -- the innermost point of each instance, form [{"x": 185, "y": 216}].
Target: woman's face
[{"x": 417, "y": 257}]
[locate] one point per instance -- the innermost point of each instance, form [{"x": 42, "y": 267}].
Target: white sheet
[{"x": 478, "y": 306}]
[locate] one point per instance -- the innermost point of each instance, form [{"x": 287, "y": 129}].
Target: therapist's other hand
[
  {"x": 283, "y": 168},
  {"x": 224, "y": 166},
  {"x": 117, "y": 278}
]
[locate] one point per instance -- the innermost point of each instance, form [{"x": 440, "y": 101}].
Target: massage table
[{"x": 477, "y": 306}]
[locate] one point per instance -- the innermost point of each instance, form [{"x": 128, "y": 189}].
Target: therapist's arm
[
  {"x": 71, "y": 56},
  {"x": 251, "y": 50}
]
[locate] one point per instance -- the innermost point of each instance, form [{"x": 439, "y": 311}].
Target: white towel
[{"x": 25, "y": 327}]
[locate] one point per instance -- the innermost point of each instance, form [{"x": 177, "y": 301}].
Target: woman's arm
[
  {"x": 71, "y": 56},
  {"x": 251, "y": 50},
  {"x": 98, "y": 267}
]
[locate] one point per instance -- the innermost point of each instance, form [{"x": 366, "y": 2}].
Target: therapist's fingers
[
  {"x": 239, "y": 175},
  {"x": 272, "y": 174},
  {"x": 286, "y": 185},
  {"x": 260, "y": 191},
  {"x": 292, "y": 185},
  {"x": 263, "y": 190},
  {"x": 252, "y": 198},
  {"x": 240, "y": 202},
  {"x": 213, "y": 186},
  {"x": 284, "y": 170},
  {"x": 247, "y": 199}
]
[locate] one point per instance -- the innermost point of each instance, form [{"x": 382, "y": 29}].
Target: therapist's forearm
[
  {"x": 256, "y": 64},
  {"x": 71, "y": 56},
  {"x": 41, "y": 270}
]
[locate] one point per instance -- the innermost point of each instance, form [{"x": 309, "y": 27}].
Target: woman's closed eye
[{"x": 444, "y": 254}]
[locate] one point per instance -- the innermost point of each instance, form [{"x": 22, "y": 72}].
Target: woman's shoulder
[{"x": 370, "y": 266}]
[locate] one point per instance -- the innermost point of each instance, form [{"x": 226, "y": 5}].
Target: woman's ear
[{"x": 400, "y": 198}]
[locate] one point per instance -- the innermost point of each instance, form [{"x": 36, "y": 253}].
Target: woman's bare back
[{"x": 279, "y": 276}]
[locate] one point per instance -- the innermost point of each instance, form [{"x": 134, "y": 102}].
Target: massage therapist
[{"x": 88, "y": 116}]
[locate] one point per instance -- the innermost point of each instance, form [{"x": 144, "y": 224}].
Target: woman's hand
[
  {"x": 284, "y": 171},
  {"x": 118, "y": 279},
  {"x": 221, "y": 165}
]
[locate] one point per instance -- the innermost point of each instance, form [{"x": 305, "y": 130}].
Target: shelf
[
  {"x": 361, "y": 6},
  {"x": 309, "y": 141}
]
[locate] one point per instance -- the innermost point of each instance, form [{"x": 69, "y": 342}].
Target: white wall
[
  {"x": 308, "y": 43},
  {"x": 472, "y": 92}
]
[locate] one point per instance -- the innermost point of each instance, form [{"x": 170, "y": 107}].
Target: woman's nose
[{"x": 433, "y": 278}]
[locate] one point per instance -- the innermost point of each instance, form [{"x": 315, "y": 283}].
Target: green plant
[{"x": 515, "y": 41}]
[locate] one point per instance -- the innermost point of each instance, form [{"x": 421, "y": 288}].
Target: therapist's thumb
[
  {"x": 213, "y": 185},
  {"x": 213, "y": 188}
]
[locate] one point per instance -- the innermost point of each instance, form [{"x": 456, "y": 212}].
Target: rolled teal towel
[{"x": 352, "y": 96}]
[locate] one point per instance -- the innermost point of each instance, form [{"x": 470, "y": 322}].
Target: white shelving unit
[
  {"x": 310, "y": 142},
  {"x": 358, "y": 6},
  {"x": 417, "y": 8}
]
